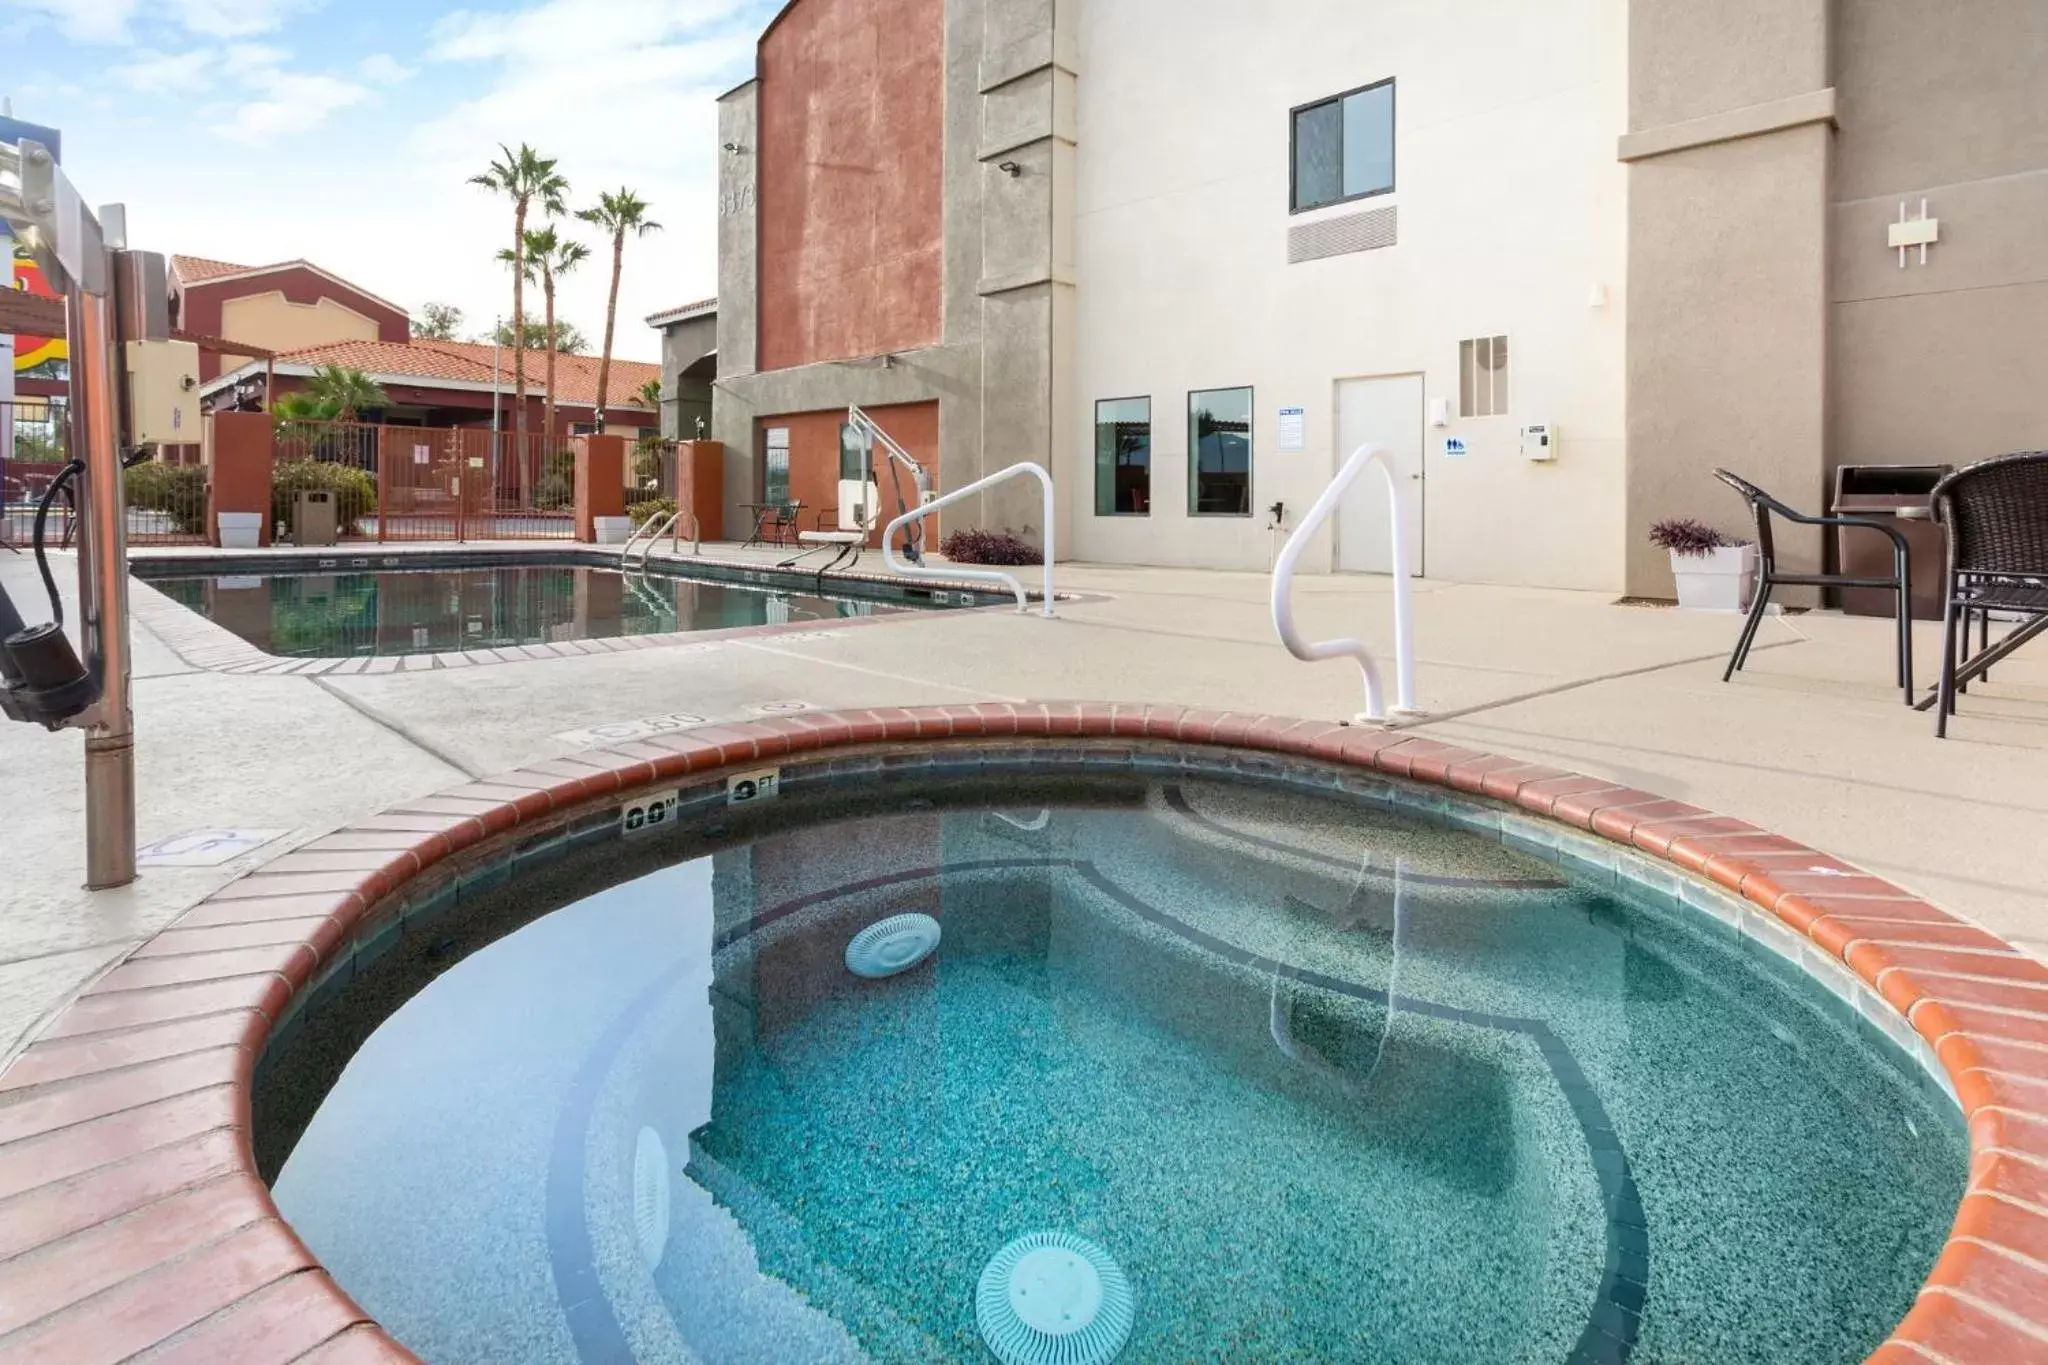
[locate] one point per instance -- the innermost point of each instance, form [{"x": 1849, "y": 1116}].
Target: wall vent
[{"x": 1365, "y": 231}]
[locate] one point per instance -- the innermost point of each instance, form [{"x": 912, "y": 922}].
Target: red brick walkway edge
[{"x": 132, "y": 1219}]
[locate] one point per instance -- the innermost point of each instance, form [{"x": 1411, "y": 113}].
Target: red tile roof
[
  {"x": 193, "y": 269},
  {"x": 423, "y": 361}
]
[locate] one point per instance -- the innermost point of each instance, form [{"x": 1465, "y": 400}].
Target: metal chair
[
  {"x": 1769, "y": 577},
  {"x": 1996, "y": 512},
  {"x": 783, "y": 522}
]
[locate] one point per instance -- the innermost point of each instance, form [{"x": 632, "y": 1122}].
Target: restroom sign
[{"x": 1454, "y": 447}]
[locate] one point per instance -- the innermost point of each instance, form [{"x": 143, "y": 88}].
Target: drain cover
[
  {"x": 650, "y": 1196},
  {"x": 892, "y": 945},
  {"x": 1051, "y": 1298}
]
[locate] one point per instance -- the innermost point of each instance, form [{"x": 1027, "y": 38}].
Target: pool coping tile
[{"x": 138, "y": 1093}]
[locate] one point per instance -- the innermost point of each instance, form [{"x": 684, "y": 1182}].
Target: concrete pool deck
[{"x": 1811, "y": 742}]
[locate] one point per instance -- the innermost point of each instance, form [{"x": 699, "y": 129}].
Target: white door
[{"x": 1387, "y": 411}]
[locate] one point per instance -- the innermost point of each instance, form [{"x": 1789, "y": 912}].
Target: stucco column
[
  {"x": 1731, "y": 120},
  {"x": 700, "y": 486},
  {"x": 600, "y": 482},
  {"x": 239, "y": 457}
]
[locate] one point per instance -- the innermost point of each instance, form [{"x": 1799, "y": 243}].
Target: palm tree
[
  {"x": 649, "y": 394},
  {"x": 552, "y": 256},
  {"x": 617, "y": 214},
  {"x": 346, "y": 392},
  {"x": 523, "y": 177}
]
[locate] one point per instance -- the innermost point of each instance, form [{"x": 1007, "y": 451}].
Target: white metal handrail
[
  {"x": 1283, "y": 588},
  {"x": 978, "y": 575}
]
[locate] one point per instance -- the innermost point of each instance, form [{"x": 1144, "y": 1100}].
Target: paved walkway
[{"x": 1812, "y": 741}]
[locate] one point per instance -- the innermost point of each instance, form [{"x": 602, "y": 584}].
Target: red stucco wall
[
  {"x": 814, "y": 461},
  {"x": 852, "y": 214}
]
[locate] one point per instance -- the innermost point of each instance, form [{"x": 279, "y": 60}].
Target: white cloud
[
  {"x": 381, "y": 68},
  {"x": 291, "y": 102},
  {"x": 114, "y": 21},
  {"x": 166, "y": 73},
  {"x": 570, "y": 33},
  {"x": 87, "y": 21},
  {"x": 235, "y": 18},
  {"x": 253, "y": 58}
]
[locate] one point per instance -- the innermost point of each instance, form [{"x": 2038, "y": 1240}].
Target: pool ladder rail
[
  {"x": 1375, "y": 712},
  {"x": 652, "y": 530}
]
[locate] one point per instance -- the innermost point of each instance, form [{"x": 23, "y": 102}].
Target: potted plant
[{"x": 1714, "y": 573}]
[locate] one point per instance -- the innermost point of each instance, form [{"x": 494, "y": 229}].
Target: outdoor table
[{"x": 765, "y": 514}]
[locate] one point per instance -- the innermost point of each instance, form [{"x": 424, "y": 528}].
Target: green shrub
[
  {"x": 654, "y": 509},
  {"x": 556, "y": 489},
  {"x": 355, "y": 492},
  {"x": 177, "y": 490},
  {"x": 647, "y": 462}
]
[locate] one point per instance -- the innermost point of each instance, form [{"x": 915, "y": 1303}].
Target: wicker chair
[
  {"x": 1769, "y": 577},
  {"x": 1996, "y": 512}
]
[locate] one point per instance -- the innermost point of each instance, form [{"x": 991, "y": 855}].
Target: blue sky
[{"x": 344, "y": 133}]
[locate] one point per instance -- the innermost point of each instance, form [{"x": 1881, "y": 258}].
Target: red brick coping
[{"x": 132, "y": 1218}]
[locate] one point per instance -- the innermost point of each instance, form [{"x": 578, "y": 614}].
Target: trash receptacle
[
  {"x": 1901, "y": 493},
  {"x": 313, "y": 517}
]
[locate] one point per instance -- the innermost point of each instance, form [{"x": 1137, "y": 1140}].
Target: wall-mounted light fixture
[
  {"x": 734, "y": 148},
  {"x": 1010, "y": 168}
]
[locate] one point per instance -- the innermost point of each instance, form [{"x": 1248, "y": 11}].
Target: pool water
[
  {"x": 1327, "y": 1082},
  {"x": 428, "y": 611}
]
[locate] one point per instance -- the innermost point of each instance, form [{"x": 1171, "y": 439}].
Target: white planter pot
[
  {"x": 1719, "y": 580},
  {"x": 239, "y": 530},
  {"x": 612, "y": 530}
]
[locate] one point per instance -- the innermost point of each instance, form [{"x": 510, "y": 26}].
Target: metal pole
[{"x": 103, "y": 581}]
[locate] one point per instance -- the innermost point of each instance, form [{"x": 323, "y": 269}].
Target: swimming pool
[
  {"x": 385, "y": 611},
  {"x": 1339, "y": 1074}
]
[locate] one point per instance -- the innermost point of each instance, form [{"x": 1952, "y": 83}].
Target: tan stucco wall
[
  {"x": 1726, "y": 353},
  {"x": 1940, "y": 362},
  {"x": 1728, "y": 270},
  {"x": 276, "y": 323},
  {"x": 1691, "y": 58},
  {"x": 1511, "y": 222}
]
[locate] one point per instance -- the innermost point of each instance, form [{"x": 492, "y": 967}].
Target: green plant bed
[
  {"x": 176, "y": 490},
  {"x": 654, "y": 509},
  {"x": 355, "y": 492},
  {"x": 556, "y": 489}
]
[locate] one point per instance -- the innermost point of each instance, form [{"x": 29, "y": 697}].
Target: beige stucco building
[{"x": 1189, "y": 253}]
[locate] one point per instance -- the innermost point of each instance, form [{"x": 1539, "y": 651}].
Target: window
[
  {"x": 1344, "y": 147},
  {"x": 775, "y": 465},
  {"x": 1123, "y": 457},
  {"x": 1483, "y": 377},
  {"x": 1220, "y": 453}
]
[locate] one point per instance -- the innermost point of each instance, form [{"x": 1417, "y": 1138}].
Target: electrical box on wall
[
  {"x": 1539, "y": 441},
  {"x": 163, "y": 393}
]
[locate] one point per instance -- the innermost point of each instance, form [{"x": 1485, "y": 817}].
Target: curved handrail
[
  {"x": 667, "y": 524},
  {"x": 1280, "y": 1016},
  {"x": 978, "y": 575},
  {"x": 1283, "y": 585}
]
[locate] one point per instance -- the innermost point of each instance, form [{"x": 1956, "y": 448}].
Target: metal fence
[
  {"x": 422, "y": 483},
  {"x": 34, "y": 444},
  {"x": 166, "y": 498}
]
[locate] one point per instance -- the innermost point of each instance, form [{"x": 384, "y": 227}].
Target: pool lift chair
[{"x": 863, "y": 444}]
